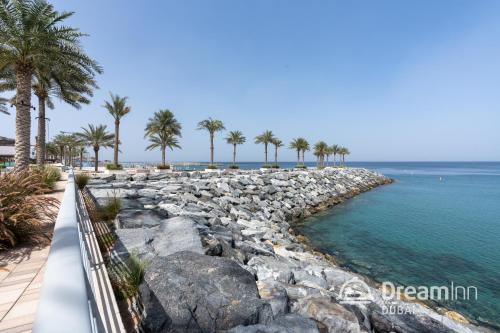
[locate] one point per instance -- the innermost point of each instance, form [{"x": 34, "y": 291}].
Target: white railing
[{"x": 76, "y": 293}]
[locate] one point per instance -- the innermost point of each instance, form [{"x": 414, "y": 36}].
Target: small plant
[
  {"x": 49, "y": 175},
  {"x": 266, "y": 166},
  {"x": 300, "y": 166},
  {"x": 127, "y": 280},
  {"x": 111, "y": 166},
  {"x": 109, "y": 211},
  {"x": 163, "y": 167},
  {"x": 212, "y": 167},
  {"x": 82, "y": 180},
  {"x": 275, "y": 166},
  {"x": 24, "y": 208},
  {"x": 233, "y": 166}
]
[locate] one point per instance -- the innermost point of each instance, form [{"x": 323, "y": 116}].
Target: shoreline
[{"x": 315, "y": 273}]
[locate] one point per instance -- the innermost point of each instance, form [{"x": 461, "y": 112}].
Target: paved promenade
[{"x": 21, "y": 275}]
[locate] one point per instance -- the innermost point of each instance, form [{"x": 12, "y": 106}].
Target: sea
[{"x": 437, "y": 224}]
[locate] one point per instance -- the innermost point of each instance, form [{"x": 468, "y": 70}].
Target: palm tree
[
  {"x": 343, "y": 152},
  {"x": 117, "y": 108},
  {"x": 265, "y": 138},
  {"x": 162, "y": 131},
  {"x": 3, "y": 107},
  {"x": 60, "y": 141},
  {"x": 277, "y": 143},
  {"x": 305, "y": 147},
  {"x": 335, "y": 150},
  {"x": 320, "y": 150},
  {"x": 212, "y": 126},
  {"x": 235, "y": 138},
  {"x": 31, "y": 38},
  {"x": 52, "y": 150},
  {"x": 296, "y": 145},
  {"x": 163, "y": 141},
  {"x": 96, "y": 137}
]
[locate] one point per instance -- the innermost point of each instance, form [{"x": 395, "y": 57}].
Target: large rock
[
  {"x": 139, "y": 218},
  {"x": 177, "y": 234},
  {"x": 334, "y": 316},
  {"x": 290, "y": 323},
  {"x": 190, "y": 292}
]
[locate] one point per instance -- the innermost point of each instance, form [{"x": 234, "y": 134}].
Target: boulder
[
  {"x": 275, "y": 294},
  {"x": 290, "y": 323},
  {"x": 334, "y": 316},
  {"x": 191, "y": 292},
  {"x": 177, "y": 234},
  {"x": 139, "y": 218}
]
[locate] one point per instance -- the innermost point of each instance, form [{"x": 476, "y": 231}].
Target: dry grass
[{"x": 24, "y": 209}]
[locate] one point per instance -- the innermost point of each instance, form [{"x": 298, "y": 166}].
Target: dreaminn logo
[{"x": 355, "y": 292}]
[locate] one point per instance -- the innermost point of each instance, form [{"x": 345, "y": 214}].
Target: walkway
[{"x": 21, "y": 275}]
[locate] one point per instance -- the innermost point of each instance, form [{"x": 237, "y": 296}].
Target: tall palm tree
[
  {"x": 163, "y": 130},
  {"x": 304, "y": 147},
  {"x": 52, "y": 150},
  {"x": 212, "y": 126},
  {"x": 163, "y": 140},
  {"x": 343, "y": 152},
  {"x": 60, "y": 141},
  {"x": 96, "y": 137},
  {"x": 235, "y": 138},
  {"x": 32, "y": 36},
  {"x": 296, "y": 145},
  {"x": 277, "y": 143},
  {"x": 118, "y": 109},
  {"x": 320, "y": 150},
  {"x": 328, "y": 152},
  {"x": 265, "y": 138},
  {"x": 335, "y": 151}
]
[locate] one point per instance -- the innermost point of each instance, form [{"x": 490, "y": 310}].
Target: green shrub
[
  {"x": 212, "y": 167},
  {"x": 233, "y": 166},
  {"x": 300, "y": 166},
  {"x": 111, "y": 166},
  {"x": 126, "y": 281},
  {"x": 82, "y": 180},
  {"x": 109, "y": 211},
  {"x": 24, "y": 208},
  {"x": 49, "y": 175},
  {"x": 266, "y": 166},
  {"x": 163, "y": 167},
  {"x": 275, "y": 166}
]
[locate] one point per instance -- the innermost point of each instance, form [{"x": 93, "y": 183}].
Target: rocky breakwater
[{"x": 222, "y": 255}]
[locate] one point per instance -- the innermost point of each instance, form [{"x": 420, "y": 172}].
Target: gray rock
[
  {"x": 177, "y": 234},
  {"x": 139, "y": 218},
  {"x": 274, "y": 293},
  {"x": 334, "y": 316},
  {"x": 189, "y": 292}
]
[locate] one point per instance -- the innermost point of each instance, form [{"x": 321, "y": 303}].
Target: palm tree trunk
[
  {"x": 163, "y": 149},
  {"x": 327, "y": 158},
  {"x": 61, "y": 152},
  {"x": 334, "y": 160},
  {"x": 234, "y": 154},
  {"x": 96, "y": 162},
  {"x": 265, "y": 152},
  {"x": 303, "y": 153},
  {"x": 40, "y": 147},
  {"x": 81, "y": 159},
  {"x": 211, "y": 149},
  {"x": 117, "y": 141},
  {"x": 276, "y": 156},
  {"x": 298, "y": 156},
  {"x": 23, "y": 118}
]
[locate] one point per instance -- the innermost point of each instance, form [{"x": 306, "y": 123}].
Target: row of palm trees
[{"x": 163, "y": 131}]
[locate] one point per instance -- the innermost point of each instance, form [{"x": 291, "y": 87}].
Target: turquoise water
[{"x": 438, "y": 223}]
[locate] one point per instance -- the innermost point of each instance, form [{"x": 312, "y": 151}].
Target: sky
[{"x": 391, "y": 80}]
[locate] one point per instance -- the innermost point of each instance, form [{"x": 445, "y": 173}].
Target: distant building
[{"x": 7, "y": 149}]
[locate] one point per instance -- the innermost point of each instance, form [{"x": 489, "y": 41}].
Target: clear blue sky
[{"x": 391, "y": 80}]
